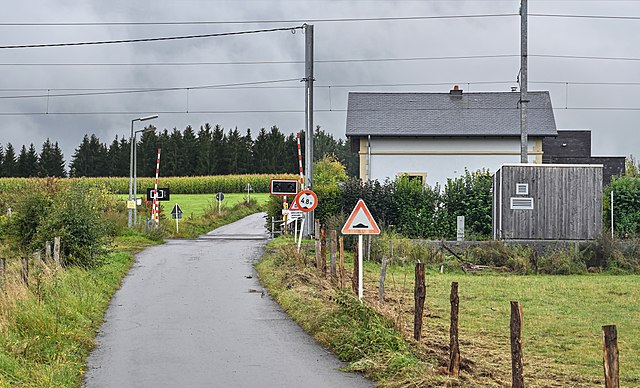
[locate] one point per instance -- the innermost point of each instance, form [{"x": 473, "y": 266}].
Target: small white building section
[
  {"x": 435, "y": 160},
  {"x": 436, "y": 136}
]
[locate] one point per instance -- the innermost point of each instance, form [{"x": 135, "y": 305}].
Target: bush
[
  {"x": 470, "y": 196},
  {"x": 416, "y": 209},
  {"x": 626, "y": 205},
  {"x": 77, "y": 217}
]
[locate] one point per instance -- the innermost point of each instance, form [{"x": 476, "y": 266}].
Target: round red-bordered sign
[{"x": 306, "y": 200}]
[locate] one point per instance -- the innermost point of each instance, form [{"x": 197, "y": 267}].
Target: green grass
[
  {"x": 196, "y": 204},
  {"x": 562, "y": 330}
]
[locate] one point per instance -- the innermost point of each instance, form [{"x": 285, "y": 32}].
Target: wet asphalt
[{"x": 191, "y": 313}]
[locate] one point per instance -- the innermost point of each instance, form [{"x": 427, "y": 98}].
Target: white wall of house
[{"x": 439, "y": 158}]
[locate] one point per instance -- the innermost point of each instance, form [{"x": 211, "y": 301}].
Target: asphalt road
[{"x": 191, "y": 313}]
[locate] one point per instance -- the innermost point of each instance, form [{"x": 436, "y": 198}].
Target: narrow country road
[{"x": 191, "y": 313}]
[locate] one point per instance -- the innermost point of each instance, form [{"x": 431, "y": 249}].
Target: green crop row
[{"x": 177, "y": 185}]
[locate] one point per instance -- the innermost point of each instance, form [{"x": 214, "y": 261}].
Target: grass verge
[
  {"x": 47, "y": 329},
  {"x": 366, "y": 340}
]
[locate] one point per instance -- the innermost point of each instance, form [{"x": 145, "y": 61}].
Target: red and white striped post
[
  {"x": 155, "y": 210},
  {"x": 300, "y": 161}
]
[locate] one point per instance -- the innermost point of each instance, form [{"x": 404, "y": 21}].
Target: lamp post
[
  {"x": 135, "y": 170},
  {"x": 131, "y": 163}
]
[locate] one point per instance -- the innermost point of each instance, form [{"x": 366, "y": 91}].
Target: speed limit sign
[{"x": 306, "y": 200}]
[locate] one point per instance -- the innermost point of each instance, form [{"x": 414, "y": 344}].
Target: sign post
[
  {"x": 248, "y": 188},
  {"x": 176, "y": 213},
  {"x": 460, "y": 228},
  {"x": 219, "y": 198},
  {"x": 360, "y": 222}
]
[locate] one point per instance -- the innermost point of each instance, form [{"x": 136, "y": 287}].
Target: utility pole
[
  {"x": 308, "y": 133},
  {"x": 524, "y": 142}
]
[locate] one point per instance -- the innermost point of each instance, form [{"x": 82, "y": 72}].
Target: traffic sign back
[
  {"x": 360, "y": 221},
  {"x": 176, "y": 212}
]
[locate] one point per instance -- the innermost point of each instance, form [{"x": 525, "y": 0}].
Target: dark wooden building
[
  {"x": 574, "y": 147},
  {"x": 547, "y": 202}
]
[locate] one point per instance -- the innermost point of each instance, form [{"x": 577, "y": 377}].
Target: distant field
[{"x": 197, "y": 203}]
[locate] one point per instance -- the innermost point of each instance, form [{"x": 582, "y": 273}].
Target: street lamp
[
  {"x": 135, "y": 170},
  {"x": 131, "y": 163}
]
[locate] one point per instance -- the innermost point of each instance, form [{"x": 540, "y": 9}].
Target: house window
[
  {"x": 419, "y": 176},
  {"x": 522, "y": 188}
]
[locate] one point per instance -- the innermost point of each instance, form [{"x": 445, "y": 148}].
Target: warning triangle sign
[
  {"x": 360, "y": 221},
  {"x": 294, "y": 206}
]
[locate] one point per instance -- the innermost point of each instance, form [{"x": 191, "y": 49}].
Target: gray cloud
[{"x": 614, "y": 132}]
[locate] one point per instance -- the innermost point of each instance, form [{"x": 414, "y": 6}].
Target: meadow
[
  {"x": 196, "y": 204},
  {"x": 562, "y": 330}
]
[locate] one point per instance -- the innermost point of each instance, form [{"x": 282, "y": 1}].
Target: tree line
[{"x": 209, "y": 151}]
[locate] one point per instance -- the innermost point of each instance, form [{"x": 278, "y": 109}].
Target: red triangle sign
[
  {"x": 360, "y": 221},
  {"x": 294, "y": 205}
]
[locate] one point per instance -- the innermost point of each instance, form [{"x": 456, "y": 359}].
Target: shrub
[
  {"x": 626, "y": 205},
  {"x": 470, "y": 196}
]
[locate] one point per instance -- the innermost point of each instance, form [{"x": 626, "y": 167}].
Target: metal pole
[
  {"x": 360, "y": 288},
  {"x": 130, "y": 175},
  {"x": 308, "y": 29},
  {"x": 176, "y": 218},
  {"x": 524, "y": 157},
  {"x": 135, "y": 181},
  {"x": 611, "y": 213}
]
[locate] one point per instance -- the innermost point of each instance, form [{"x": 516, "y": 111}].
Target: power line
[
  {"x": 292, "y": 62},
  {"x": 288, "y": 111},
  {"x": 585, "y": 57},
  {"x": 343, "y": 60},
  {"x": 268, "y": 21},
  {"x": 257, "y": 85},
  {"x": 613, "y": 17},
  {"x": 130, "y": 91},
  {"x": 103, "y": 42}
]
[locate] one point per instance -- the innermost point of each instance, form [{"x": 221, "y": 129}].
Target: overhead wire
[
  {"x": 266, "y": 21},
  {"x": 156, "y": 39}
]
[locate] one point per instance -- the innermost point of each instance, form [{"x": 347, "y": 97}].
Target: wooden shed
[{"x": 547, "y": 202}]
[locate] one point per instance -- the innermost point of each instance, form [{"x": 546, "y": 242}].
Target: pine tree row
[{"x": 210, "y": 151}]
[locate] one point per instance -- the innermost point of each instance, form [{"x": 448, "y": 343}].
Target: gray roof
[{"x": 440, "y": 114}]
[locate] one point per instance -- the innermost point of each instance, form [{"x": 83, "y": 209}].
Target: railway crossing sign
[
  {"x": 306, "y": 200},
  {"x": 360, "y": 221}
]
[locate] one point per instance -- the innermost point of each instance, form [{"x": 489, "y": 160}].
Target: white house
[{"x": 435, "y": 136}]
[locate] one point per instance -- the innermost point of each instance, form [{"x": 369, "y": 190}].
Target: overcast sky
[{"x": 614, "y": 130}]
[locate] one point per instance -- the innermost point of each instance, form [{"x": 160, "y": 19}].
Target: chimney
[{"x": 456, "y": 91}]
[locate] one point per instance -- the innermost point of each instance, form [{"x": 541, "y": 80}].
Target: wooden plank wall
[{"x": 567, "y": 202}]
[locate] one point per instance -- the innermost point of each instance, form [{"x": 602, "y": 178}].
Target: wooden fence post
[
  {"x": 419, "y": 294},
  {"x": 332, "y": 252},
  {"x": 341, "y": 256},
  {"x": 318, "y": 248},
  {"x": 383, "y": 274},
  {"x": 610, "y": 356},
  {"x": 354, "y": 279},
  {"x": 47, "y": 251},
  {"x": 454, "y": 345},
  {"x": 323, "y": 250},
  {"x": 517, "y": 378},
  {"x": 3, "y": 273},
  {"x": 24, "y": 270},
  {"x": 56, "y": 251}
]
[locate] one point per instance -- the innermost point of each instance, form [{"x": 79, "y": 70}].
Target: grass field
[
  {"x": 563, "y": 319},
  {"x": 197, "y": 203},
  {"x": 562, "y": 330}
]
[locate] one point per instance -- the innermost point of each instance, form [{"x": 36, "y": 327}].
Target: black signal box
[{"x": 284, "y": 187}]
